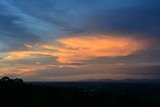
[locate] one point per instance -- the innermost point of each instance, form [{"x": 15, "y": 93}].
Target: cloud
[
  {"x": 142, "y": 21},
  {"x": 77, "y": 49},
  {"x": 17, "y": 25},
  {"x": 145, "y": 57},
  {"x": 139, "y": 18},
  {"x": 115, "y": 72},
  {"x": 21, "y": 70},
  {"x": 71, "y": 52},
  {"x": 85, "y": 48}
]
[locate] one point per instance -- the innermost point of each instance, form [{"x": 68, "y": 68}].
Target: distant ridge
[{"x": 153, "y": 81}]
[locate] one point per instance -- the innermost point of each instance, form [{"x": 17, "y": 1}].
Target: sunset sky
[{"x": 72, "y": 40}]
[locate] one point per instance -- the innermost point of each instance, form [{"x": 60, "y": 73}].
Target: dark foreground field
[{"x": 79, "y": 94}]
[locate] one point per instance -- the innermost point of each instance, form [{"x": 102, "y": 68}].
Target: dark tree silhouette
[
  {"x": 18, "y": 80},
  {"x": 5, "y": 79},
  {"x": 8, "y": 80}
]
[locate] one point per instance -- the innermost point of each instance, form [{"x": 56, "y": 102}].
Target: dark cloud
[
  {"x": 132, "y": 71},
  {"x": 14, "y": 35},
  {"x": 150, "y": 56},
  {"x": 12, "y": 30},
  {"x": 141, "y": 20},
  {"x": 18, "y": 27},
  {"x": 146, "y": 70}
]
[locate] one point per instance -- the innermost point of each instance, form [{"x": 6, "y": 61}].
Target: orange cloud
[
  {"x": 83, "y": 48},
  {"x": 76, "y": 49},
  {"x": 23, "y": 70},
  {"x": 69, "y": 52}
]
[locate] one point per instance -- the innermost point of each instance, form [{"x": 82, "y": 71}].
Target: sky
[{"x": 74, "y": 40}]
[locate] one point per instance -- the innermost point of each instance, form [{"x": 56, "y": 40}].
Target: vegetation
[{"x": 16, "y": 93}]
